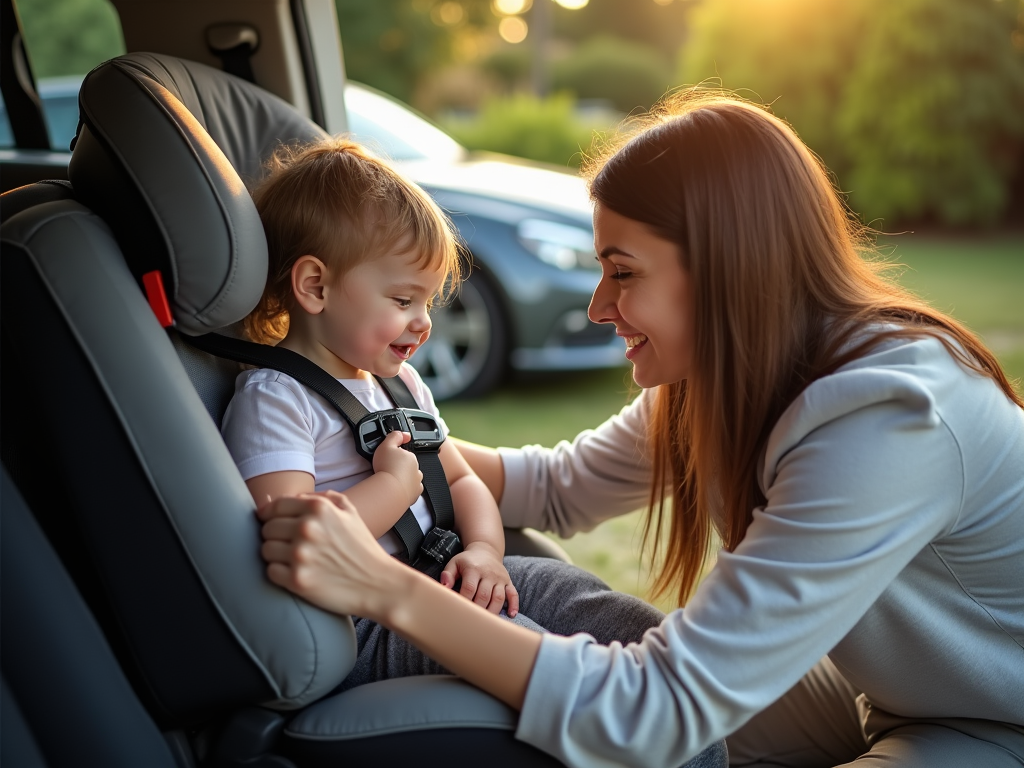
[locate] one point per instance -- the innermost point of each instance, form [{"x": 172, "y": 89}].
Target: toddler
[{"x": 358, "y": 254}]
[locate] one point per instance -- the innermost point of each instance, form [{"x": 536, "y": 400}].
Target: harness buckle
[
  {"x": 438, "y": 547},
  {"x": 426, "y": 433}
]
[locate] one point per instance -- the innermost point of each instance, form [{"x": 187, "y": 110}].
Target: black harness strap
[{"x": 435, "y": 485}]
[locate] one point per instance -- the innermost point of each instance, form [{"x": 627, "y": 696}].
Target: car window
[
  {"x": 64, "y": 39},
  {"x": 394, "y": 130}
]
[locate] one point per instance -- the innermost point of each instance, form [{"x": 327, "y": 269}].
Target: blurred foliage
[
  {"x": 69, "y": 37},
  {"x": 390, "y": 44},
  {"x": 749, "y": 45},
  {"x": 540, "y": 129},
  {"x": 644, "y": 22},
  {"x": 627, "y": 74},
  {"x": 510, "y": 66},
  {"x": 933, "y": 115},
  {"x": 917, "y": 106}
]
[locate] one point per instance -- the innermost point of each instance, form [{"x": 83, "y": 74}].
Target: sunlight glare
[
  {"x": 510, "y": 7},
  {"x": 448, "y": 13},
  {"x": 512, "y": 29}
]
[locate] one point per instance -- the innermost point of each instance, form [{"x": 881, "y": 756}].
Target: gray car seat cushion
[
  {"x": 246, "y": 122},
  {"x": 304, "y": 652},
  {"x": 401, "y": 705},
  {"x": 212, "y": 377}
]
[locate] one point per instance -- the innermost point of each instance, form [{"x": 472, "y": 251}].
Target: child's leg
[
  {"x": 565, "y": 599},
  {"x": 556, "y": 597},
  {"x": 383, "y": 655}
]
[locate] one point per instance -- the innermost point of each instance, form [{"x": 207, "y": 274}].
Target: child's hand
[
  {"x": 390, "y": 457},
  {"x": 484, "y": 579}
]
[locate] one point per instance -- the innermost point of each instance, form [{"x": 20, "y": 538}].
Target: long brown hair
[
  {"x": 781, "y": 290},
  {"x": 334, "y": 200}
]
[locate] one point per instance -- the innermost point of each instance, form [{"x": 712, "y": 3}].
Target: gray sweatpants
[
  {"x": 823, "y": 722},
  {"x": 559, "y": 597},
  {"x": 556, "y": 596}
]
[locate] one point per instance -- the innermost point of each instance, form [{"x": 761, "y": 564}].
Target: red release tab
[{"x": 154, "y": 284}]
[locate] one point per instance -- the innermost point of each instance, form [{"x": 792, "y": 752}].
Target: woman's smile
[
  {"x": 633, "y": 344},
  {"x": 646, "y": 292}
]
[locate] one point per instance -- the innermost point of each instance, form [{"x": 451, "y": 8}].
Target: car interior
[{"x": 138, "y": 627}]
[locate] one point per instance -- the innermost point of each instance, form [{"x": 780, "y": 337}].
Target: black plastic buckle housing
[
  {"x": 423, "y": 427},
  {"x": 438, "y": 547}
]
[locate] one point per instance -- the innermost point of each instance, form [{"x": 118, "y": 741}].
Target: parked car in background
[{"x": 526, "y": 227}]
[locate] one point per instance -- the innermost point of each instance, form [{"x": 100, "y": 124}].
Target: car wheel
[{"x": 465, "y": 354}]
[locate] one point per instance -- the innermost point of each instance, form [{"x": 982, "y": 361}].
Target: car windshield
[{"x": 394, "y": 130}]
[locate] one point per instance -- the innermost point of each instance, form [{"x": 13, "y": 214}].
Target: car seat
[
  {"x": 119, "y": 459},
  {"x": 66, "y": 702}
]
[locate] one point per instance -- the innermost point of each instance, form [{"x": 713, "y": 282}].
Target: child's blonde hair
[{"x": 334, "y": 200}]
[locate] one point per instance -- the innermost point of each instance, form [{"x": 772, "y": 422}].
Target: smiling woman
[{"x": 860, "y": 454}]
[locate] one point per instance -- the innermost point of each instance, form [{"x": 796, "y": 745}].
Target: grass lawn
[{"x": 979, "y": 280}]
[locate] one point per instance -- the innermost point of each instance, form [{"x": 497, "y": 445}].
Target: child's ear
[{"x": 309, "y": 277}]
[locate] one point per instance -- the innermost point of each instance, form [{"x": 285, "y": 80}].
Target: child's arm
[
  {"x": 485, "y": 463},
  {"x": 478, "y": 523},
  {"x": 382, "y": 498}
]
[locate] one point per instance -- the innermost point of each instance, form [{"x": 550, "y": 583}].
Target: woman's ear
[{"x": 309, "y": 278}]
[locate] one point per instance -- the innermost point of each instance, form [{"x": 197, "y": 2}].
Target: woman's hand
[
  {"x": 317, "y": 546},
  {"x": 484, "y": 579},
  {"x": 401, "y": 464}
]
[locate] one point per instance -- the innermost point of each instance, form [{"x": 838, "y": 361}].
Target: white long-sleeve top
[{"x": 892, "y": 540}]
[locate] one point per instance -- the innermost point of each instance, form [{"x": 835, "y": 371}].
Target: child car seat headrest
[
  {"x": 245, "y": 121},
  {"x": 145, "y": 162}
]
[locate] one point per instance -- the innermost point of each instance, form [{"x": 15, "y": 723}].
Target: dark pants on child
[{"x": 559, "y": 597}]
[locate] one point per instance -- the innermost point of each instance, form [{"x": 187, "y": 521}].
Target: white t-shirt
[{"x": 275, "y": 424}]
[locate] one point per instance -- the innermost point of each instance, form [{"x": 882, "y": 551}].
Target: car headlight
[{"x": 560, "y": 245}]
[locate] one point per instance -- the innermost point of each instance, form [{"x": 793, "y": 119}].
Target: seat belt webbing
[{"x": 435, "y": 485}]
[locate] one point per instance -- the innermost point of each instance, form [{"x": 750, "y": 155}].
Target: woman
[{"x": 860, "y": 455}]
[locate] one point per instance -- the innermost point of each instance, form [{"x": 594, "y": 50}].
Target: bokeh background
[{"x": 916, "y": 106}]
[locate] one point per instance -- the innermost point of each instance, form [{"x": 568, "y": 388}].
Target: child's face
[{"x": 376, "y": 315}]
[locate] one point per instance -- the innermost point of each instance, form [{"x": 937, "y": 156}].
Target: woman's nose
[{"x": 602, "y": 303}]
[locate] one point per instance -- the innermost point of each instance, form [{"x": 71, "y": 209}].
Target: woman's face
[{"x": 647, "y": 294}]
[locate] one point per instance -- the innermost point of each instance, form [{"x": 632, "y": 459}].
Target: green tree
[
  {"x": 390, "y": 44},
  {"x": 525, "y": 126},
  {"x": 792, "y": 54},
  {"x": 69, "y": 37},
  {"x": 933, "y": 114},
  {"x": 627, "y": 73},
  {"x": 917, "y": 105},
  {"x": 661, "y": 26}
]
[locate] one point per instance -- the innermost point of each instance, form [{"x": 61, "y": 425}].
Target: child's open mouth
[{"x": 402, "y": 351}]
